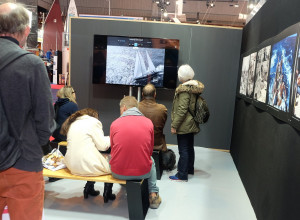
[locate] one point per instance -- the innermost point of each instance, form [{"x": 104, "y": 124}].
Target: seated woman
[
  {"x": 65, "y": 106},
  {"x": 85, "y": 139}
]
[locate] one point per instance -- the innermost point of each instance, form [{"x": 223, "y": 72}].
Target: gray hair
[
  {"x": 129, "y": 102},
  {"x": 15, "y": 20}
]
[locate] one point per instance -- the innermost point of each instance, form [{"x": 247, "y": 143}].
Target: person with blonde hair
[
  {"x": 132, "y": 141},
  {"x": 183, "y": 123},
  {"x": 65, "y": 106},
  {"x": 27, "y": 103},
  {"x": 85, "y": 139}
]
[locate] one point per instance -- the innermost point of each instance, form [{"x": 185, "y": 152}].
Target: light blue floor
[{"x": 215, "y": 192}]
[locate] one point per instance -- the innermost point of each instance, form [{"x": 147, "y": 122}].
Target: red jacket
[{"x": 132, "y": 141}]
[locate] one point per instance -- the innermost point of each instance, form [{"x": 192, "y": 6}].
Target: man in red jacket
[{"x": 132, "y": 141}]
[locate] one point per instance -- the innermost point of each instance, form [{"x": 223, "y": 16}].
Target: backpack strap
[{"x": 195, "y": 105}]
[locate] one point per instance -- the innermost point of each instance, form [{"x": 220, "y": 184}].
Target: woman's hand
[{"x": 173, "y": 130}]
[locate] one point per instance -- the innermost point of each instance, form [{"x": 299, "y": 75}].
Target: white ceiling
[{"x": 224, "y": 12}]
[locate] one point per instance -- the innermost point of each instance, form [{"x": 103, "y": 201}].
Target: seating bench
[
  {"x": 157, "y": 156},
  {"x": 137, "y": 191}
]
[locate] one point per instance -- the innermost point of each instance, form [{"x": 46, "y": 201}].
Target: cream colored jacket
[{"x": 85, "y": 138}]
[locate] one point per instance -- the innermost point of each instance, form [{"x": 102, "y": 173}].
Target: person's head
[
  {"x": 185, "y": 73},
  {"x": 67, "y": 92},
  {"x": 86, "y": 111},
  {"x": 149, "y": 91},
  {"x": 14, "y": 22},
  {"x": 128, "y": 102}
]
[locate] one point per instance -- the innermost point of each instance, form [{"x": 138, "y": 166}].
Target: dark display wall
[
  {"x": 266, "y": 150},
  {"x": 212, "y": 52}
]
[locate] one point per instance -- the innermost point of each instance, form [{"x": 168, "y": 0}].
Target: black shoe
[
  {"x": 107, "y": 194},
  {"x": 52, "y": 179},
  {"x": 89, "y": 190}
]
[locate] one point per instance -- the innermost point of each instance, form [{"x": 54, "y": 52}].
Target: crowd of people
[{"x": 126, "y": 153}]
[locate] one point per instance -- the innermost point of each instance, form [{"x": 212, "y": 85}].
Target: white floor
[{"x": 215, "y": 192}]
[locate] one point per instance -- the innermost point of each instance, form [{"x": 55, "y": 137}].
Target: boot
[
  {"x": 89, "y": 190},
  {"x": 107, "y": 194}
]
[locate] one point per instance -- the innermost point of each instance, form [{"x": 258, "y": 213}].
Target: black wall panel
[{"x": 266, "y": 151}]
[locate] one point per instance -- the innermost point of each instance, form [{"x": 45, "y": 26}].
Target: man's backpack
[
  {"x": 201, "y": 113},
  {"x": 9, "y": 146}
]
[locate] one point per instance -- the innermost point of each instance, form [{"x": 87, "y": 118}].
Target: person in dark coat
[{"x": 65, "y": 106}]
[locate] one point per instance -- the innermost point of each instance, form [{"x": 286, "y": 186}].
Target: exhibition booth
[{"x": 251, "y": 79}]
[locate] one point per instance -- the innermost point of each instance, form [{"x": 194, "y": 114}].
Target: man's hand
[{"x": 173, "y": 130}]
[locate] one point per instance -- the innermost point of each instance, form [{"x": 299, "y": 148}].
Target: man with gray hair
[
  {"x": 132, "y": 140},
  {"x": 27, "y": 103}
]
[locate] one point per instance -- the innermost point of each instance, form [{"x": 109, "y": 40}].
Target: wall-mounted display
[
  {"x": 244, "y": 75},
  {"x": 262, "y": 70},
  {"x": 135, "y": 61},
  {"x": 251, "y": 75},
  {"x": 281, "y": 71}
]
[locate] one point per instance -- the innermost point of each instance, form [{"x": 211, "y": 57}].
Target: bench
[
  {"x": 157, "y": 156},
  {"x": 137, "y": 191}
]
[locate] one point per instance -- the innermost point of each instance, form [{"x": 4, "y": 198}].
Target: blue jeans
[
  {"x": 186, "y": 155},
  {"x": 151, "y": 176}
]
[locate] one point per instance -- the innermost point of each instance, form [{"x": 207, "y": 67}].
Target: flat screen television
[{"x": 135, "y": 61}]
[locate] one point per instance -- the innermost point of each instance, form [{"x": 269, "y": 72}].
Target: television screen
[
  {"x": 281, "y": 70},
  {"x": 135, "y": 61}
]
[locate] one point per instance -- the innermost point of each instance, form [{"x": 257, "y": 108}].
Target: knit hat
[{"x": 185, "y": 73}]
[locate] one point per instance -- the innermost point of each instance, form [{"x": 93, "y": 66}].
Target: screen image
[
  {"x": 135, "y": 61},
  {"x": 281, "y": 70},
  {"x": 296, "y": 101},
  {"x": 251, "y": 74},
  {"x": 244, "y": 75},
  {"x": 134, "y": 65},
  {"x": 262, "y": 70}
]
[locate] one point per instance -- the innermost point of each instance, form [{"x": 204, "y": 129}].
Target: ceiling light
[
  {"x": 236, "y": 5},
  {"x": 251, "y": 6}
]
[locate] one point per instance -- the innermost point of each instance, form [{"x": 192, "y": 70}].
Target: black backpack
[
  {"x": 168, "y": 160},
  {"x": 9, "y": 146},
  {"x": 201, "y": 114}
]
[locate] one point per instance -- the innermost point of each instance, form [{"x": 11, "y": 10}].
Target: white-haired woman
[{"x": 183, "y": 123}]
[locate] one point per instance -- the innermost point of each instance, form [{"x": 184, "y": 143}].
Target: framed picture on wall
[
  {"x": 251, "y": 75},
  {"x": 244, "y": 75},
  {"x": 281, "y": 71},
  {"x": 262, "y": 74},
  {"x": 247, "y": 76},
  {"x": 295, "y": 102}
]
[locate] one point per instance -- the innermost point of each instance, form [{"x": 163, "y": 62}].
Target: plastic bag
[{"x": 54, "y": 160}]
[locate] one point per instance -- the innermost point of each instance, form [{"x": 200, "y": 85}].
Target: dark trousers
[{"x": 186, "y": 155}]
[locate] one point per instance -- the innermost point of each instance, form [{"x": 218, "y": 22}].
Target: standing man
[
  {"x": 157, "y": 113},
  {"x": 132, "y": 139},
  {"x": 27, "y": 102}
]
